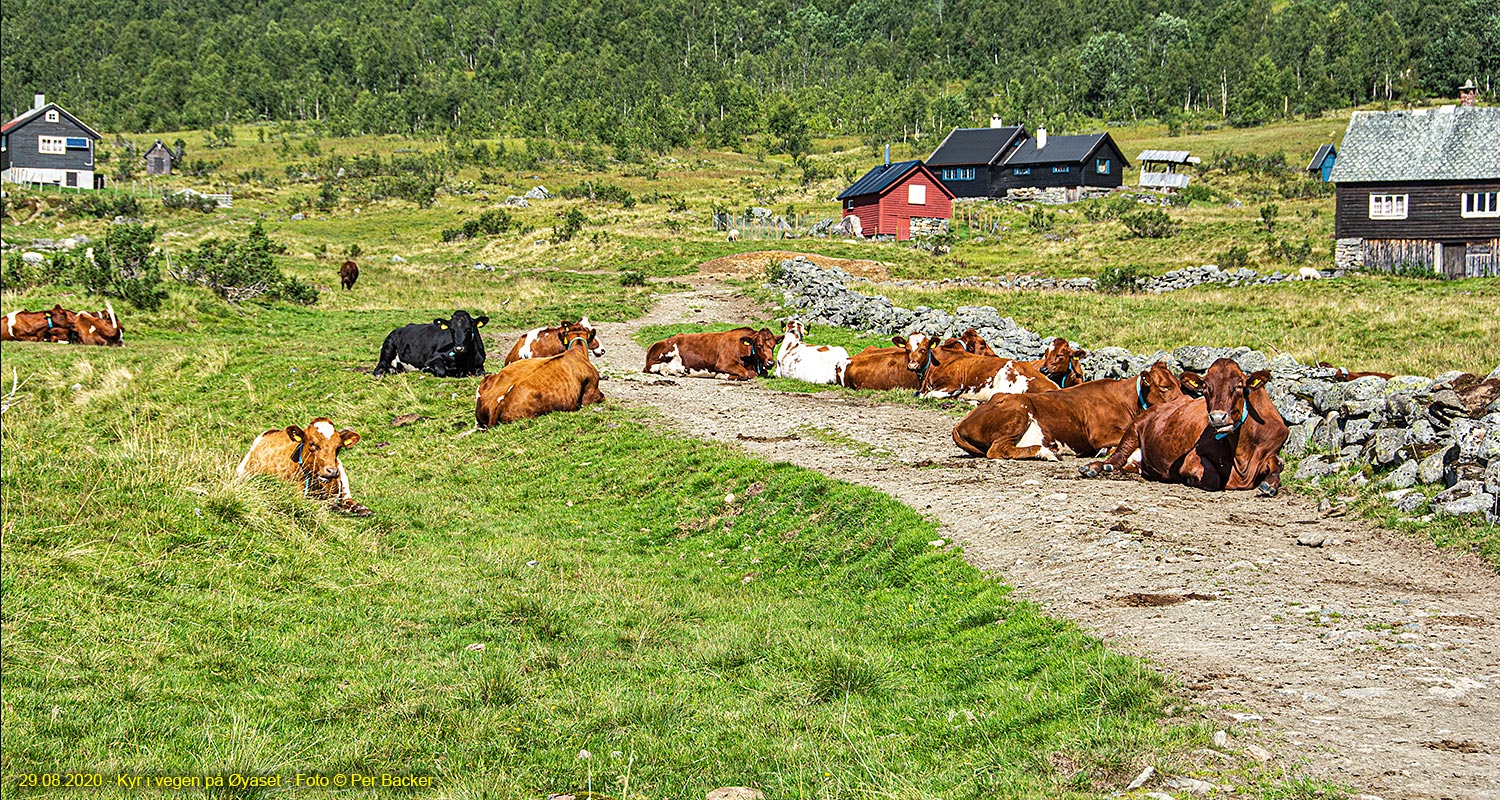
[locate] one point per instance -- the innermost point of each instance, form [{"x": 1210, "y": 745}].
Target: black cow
[{"x": 447, "y": 348}]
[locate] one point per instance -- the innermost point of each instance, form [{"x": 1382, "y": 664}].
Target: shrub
[
  {"x": 189, "y": 201},
  {"x": 102, "y": 205},
  {"x": 243, "y": 270},
  {"x": 1041, "y": 220},
  {"x": 571, "y": 224},
  {"x": 1291, "y": 253},
  {"x": 15, "y": 273},
  {"x": 1268, "y": 214},
  {"x": 353, "y": 250},
  {"x": 491, "y": 223},
  {"x": 125, "y": 265},
  {"x": 1415, "y": 269},
  {"x": 601, "y": 192},
  {"x": 1197, "y": 193},
  {"x": 1120, "y": 279},
  {"x": 411, "y": 188},
  {"x": 1237, "y": 256},
  {"x": 632, "y": 277},
  {"x": 1150, "y": 223}
]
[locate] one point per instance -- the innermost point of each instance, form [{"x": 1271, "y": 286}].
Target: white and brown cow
[
  {"x": 544, "y": 342},
  {"x": 951, "y": 371},
  {"x": 309, "y": 456},
  {"x": 797, "y": 359},
  {"x": 738, "y": 354}
]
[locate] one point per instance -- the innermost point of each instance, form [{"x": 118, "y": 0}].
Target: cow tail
[{"x": 387, "y": 355}]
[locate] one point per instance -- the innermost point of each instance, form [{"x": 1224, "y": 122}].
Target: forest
[{"x": 646, "y": 76}]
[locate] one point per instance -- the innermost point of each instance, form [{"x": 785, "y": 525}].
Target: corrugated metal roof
[
  {"x": 1316, "y": 164},
  {"x": 878, "y": 179},
  {"x": 973, "y": 146},
  {"x": 1167, "y": 157},
  {"x": 1452, "y": 143},
  {"x": 1059, "y": 149},
  {"x": 33, "y": 113}
]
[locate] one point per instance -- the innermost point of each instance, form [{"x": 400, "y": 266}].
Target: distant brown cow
[
  {"x": 348, "y": 274},
  {"x": 1086, "y": 417},
  {"x": 740, "y": 354},
  {"x": 543, "y": 342},
  {"x": 976, "y": 344},
  {"x": 55, "y": 325},
  {"x": 1344, "y": 374},
  {"x": 310, "y": 456},
  {"x": 1230, "y": 438},
  {"x": 98, "y": 328},
  {"x": 952, "y": 371},
  {"x": 532, "y": 387},
  {"x": 1061, "y": 363},
  {"x": 881, "y": 368}
]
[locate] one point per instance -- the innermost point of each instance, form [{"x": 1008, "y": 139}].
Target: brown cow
[
  {"x": 98, "y": 328},
  {"x": 38, "y": 326},
  {"x": 881, "y": 368},
  {"x": 1230, "y": 438},
  {"x": 952, "y": 371},
  {"x": 975, "y": 344},
  {"x": 532, "y": 387},
  {"x": 543, "y": 342},
  {"x": 1087, "y": 417},
  {"x": 1062, "y": 363},
  {"x": 740, "y": 354},
  {"x": 1345, "y": 375},
  {"x": 309, "y": 455},
  {"x": 348, "y": 274}
]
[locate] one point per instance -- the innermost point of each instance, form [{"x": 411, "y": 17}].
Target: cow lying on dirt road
[
  {"x": 1086, "y": 417},
  {"x": 543, "y": 342},
  {"x": 1062, "y": 363},
  {"x": 795, "y": 358},
  {"x": 951, "y": 371},
  {"x": 739, "y": 355},
  {"x": 447, "y": 348},
  {"x": 308, "y": 455},
  {"x": 1230, "y": 438},
  {"x": 532, "y": 387}
]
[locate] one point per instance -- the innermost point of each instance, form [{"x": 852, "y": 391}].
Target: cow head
[
  {"x": 1226, "y": 389},
  {"x": 976, "y": 344},
  {"x": 318, "y": 447},
  {"x": 759, "y": 350},
  {"x": 918, "y": 350},
  {"x": 794, "y": 330},
  {"x": 584, "y": 330},
  {"x": 465, "y": 332},
  {"x": 98, "y": 329},
  {"x": 1157, "y": 385},
  {"x": 1060, "y": 362}
]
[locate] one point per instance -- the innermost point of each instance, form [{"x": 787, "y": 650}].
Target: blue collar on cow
[
  {"x": 585, "y": 340},
  {"x": 1140, "y": 393},
  {"x": 760, "y": 368},
  {"x": 922, "y": 372},
  {"x": 1063, "y": 384},
  {"x": 306, "y": 476},
  {"x": 49, "y": 319},
  {"x": 1244, "y": 415}
]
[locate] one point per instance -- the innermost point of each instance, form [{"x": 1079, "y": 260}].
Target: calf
[
  {"x": 1062, "y": 363},
  {"x": 1344, "y": 374},
  {"x": 38, "y": 326},
  {"x": 348, "y": 274},
  {"x": 740, "y": 354},
  {"x": 98, "y": 328},
  {"x": 1230, "y": 438},
  {"x": 447, "y": 348},
  {"x": 952, "y": 371},
  {"x": 1087, "y": 417},
  {"x": 309, "y": 455},
  {"x": 796, "y": 358},
  {"x": 532, "y": 387},
  {"x": 543, "y": 342}
]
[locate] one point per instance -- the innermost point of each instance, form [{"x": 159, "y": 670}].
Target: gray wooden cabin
[
  {"x": 160, "y": 159},
  {"x": 48, "y": 145}
]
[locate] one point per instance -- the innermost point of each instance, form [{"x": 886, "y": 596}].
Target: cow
[
  {"x": 1087, "y": 417},
  {"x": 1061, "y": 363},
  {"x": 308, "y": 455},
  {"x": 532, "y": 387},
  {"x": 543, "y": 342},
  {"x": 881, "y": 368},
  {"x": 1230, "y": 438},
  {"x": 348, "y": 274},
  {"x": 950, "y": 370},
  {"x": 55, "y": 325},
  {"x": 447, "y": 348},
  {"x": 1343, "y": 373},
  {"x": 975, "y": 344},
  {"x": 795, "y": 358},
  {"x": 739, "y": 355},
  {"x": 98, "y": 328}
]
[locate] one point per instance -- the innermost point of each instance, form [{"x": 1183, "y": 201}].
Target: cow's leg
[
  {"x": 591, "y": 393},
  {"x": 1125, "y": 452},
  {"x": 386, "y": 365}
]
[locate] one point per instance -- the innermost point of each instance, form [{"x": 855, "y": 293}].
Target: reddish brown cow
[
  {"x": 532, "y": 387},
  {"x": 881, "y": 368},
  {"x": 1061, "y": 363},
  {"x": 310, "y": 456},
  {"x": 952, "y": 371},
  {"x": 38, "y": 326},
  {"x": 98, "y": 328},
  {"x": 740, "y": 354},
  {"x": 543, "y": 342},
  {"x": 1230, "y": 438},
  {"x": 975, "y": 344},
  {"x": 348, "y": 274},
  {"x": 1087, "y": 417}
]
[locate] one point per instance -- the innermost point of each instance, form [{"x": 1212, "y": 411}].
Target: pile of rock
[
  {"x": 1444, "y": 430},
  {"x": 538, "y": 193},
  {"x": 1184, "y": 278}
]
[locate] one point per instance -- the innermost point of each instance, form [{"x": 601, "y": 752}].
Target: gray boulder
[
  {"x": 33, "y": 258},
  {"x": 1298, "y": 437},
  {"x": 1403, "y": 477},
  {"x": 538, "y": 193},
  {"x": 1407, "y": 501},
  {"x": 1436, "y": 465},
  {"x": 1314, "y": 467},
  {"x": 1386, "y": 446},
  {"x": 1465, "y": 498}
]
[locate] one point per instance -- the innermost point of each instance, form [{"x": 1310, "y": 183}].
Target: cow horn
[{"x": 112, "y": 319}]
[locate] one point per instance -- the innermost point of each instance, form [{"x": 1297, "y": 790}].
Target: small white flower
[{"x": 584, "y": 755}]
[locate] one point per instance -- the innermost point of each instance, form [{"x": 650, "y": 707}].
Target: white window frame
[
  {"x": 52, "y": 145},
  {"x": 52, "y": 116},
  {"x": 1388, "y": 206},
  {"x": 1480, "y": 204},
  {"x": 916, "y": 194}
]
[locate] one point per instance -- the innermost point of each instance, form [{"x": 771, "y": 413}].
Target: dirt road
[{"x": 1374, "y": 658}]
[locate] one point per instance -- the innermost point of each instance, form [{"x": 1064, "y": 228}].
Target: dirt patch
[
  {"x": 742, "y": 265},
  {"x": 1143, "y": 600}
]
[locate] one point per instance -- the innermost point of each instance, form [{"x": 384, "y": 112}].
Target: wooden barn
[
  {"x": 1420, "y": 190},
  {"x": 968, "y": 162},
  {"x": 160, "y": 159},
  {"x": 903, "y": 200}
]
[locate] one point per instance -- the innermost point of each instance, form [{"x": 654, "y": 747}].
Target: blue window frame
[
  {"x": 1102, "y": 166},
  {"x": 1022, "y": 171},
  {"x": 1061, "y": 169},
  {"x": 79, "y": 143},
  {"x": 959, "y": 174}
]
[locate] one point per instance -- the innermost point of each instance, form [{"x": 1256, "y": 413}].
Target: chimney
[
  {"x": 996, "y": 122},
  {"x": 1041, "y": 138},
  {"x": 887, "y": 155},
  {"x": 1468, "y": 93},
  {"x": 41, "y": 100}
]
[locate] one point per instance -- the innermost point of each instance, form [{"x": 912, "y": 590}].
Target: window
[
  {"x": 1101, "y": 166},
  {"x": 52, "y": 116},
  {"x": 1022, "y": 171},
  {"x": 1481, "y": 204},
  {"x": 79, "y": 143},
  {"x": 1061, "y": 169},
  {"x": 52, "y": 145},
  {"x": 1387, "y": 206},
  {"x": 959, "y": 174},
  {"x": 916, "y": 194}
]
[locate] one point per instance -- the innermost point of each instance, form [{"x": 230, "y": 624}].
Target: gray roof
[
  {"x": 1167, "y": 157},
  {"x": 883, "y": 177},
  {"x": 1317, "y": 163},
  {"x": 36, "y": 112},
  {"x": 1452, "y": 143},
  {"x": 1060, "y": 149},
  {"x": 974, "y": 146}
]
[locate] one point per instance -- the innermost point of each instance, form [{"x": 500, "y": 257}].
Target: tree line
[{"x": 653, "y": 74}]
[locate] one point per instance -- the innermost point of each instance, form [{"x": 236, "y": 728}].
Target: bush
[
  {"x": 189, "y": 201},
  {"x": 601, "y": 192},
  {"x": 1197, "y": 193},
  {"x": 632, "y": 277},
  {"x": 125, "y": 265},
  {"x": 1041, "y": 220},
  {"x": 102, "y": 205},
  {"x": 1119, "y": 280},
  {"x": 1268, "y": 214},
  {"x": 411, "y": 188},
  {"x": 1150, "y": 223},
  {"x": 491, "y": 223},
  {"x": 1291, "y": 253},
  {"x": 571, "y": 224},
  {"x": 1234, "y": 257},
  {"x": 244, "y": 270},
  {"x": 15, "y": 273},
  {"x": 1415, "y": 269}
]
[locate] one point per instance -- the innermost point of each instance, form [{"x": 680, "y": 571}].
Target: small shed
[
  {"x": 160, "y": 159},
  {"x": 1322, "y": 162},
  {"x": 903, "y": 200},
  {"x": 1159, "y": 168}
]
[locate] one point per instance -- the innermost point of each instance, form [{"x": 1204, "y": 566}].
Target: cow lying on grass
[
  {"x": 447, "y": 348},
  {"x": 950, "y": 370},
  {"x": 812, "y": 363},
  {"x": 309, "y": 456},
  {"x": 532, "y": 387},
  {"x": 543, "y": 342},
  {"x": 1086, "y": 417},
  {"x": 1230, "y": 438},
  {"x": 61, "y": 325},
  {"x": 738, "y": 355}
]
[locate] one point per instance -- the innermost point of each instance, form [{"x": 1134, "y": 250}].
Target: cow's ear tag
[
  {"x": 294, "y": 433},
  {"x": 482, "y": 321},
  {"x": 441, "y": 323},
  {"x": 748, "y": 342}
]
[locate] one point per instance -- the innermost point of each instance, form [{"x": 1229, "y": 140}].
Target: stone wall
[
  {"x": 928, "y": 226},
  {"x": 1184, "y": 278},
  {"x": 1414, "y": 429},
  {"x": 1349, "y": 254}
]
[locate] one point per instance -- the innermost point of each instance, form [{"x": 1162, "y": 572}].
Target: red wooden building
[{"x": 903, "y": 199}]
